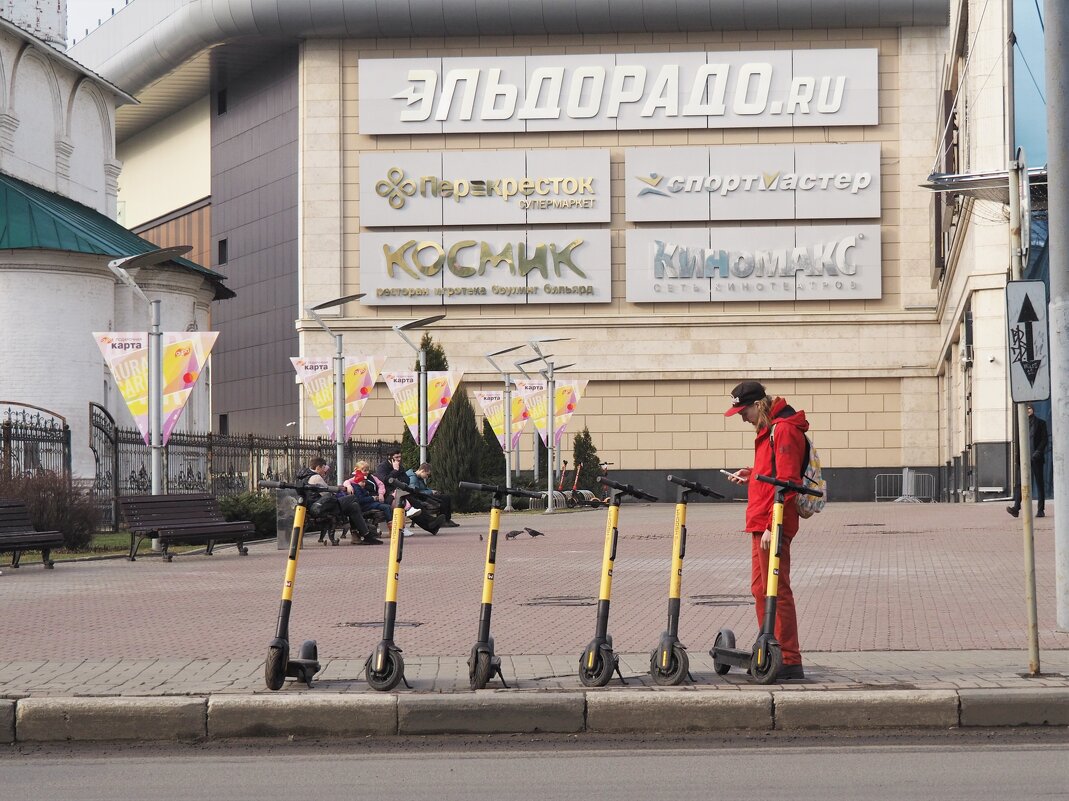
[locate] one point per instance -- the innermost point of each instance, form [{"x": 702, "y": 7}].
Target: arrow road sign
[{"x": 1029, "y": 345}]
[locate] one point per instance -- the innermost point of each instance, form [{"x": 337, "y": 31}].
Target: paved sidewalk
[{"x": 901, "y": 603}]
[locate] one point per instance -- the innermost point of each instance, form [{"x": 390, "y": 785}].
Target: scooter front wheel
[
  {"x": 725, "y": 639},
  {"x": 677, "y": 670},
  {"x": 767, "y": 673},
  {"x": 479, "y": 674},
  {"x": 597, "y": 676},
  {"x": 393, "y": 670},
  {"x": 275, "y": 668}
]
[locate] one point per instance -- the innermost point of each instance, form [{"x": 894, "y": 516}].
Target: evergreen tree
[
  {"x": 455, "y": 454},
  {"x": 492, "y": 458},
  {"x": 586, "y": 454},
  {"x": 436, "y": 360}
]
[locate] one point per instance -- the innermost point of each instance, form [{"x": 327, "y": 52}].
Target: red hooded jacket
[{"x": 790, "y": 427}]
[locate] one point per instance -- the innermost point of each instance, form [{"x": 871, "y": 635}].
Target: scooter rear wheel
[
  {"x": 599, "y": 675},
  {"x": 275, "y": 668},
  {"x": 479, "y": 674},
  {"x": 678, "y": 667},
  {"x": 725, "y": 638},
  {"x": 767, "y": 673},
  {"x": 390, "y": 676}
]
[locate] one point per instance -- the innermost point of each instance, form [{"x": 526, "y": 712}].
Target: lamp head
[
  {"x": 330, "y": 304},
  {"x": 419, "y": 323},
  {"x": 157, "y": 256},
  {"x": 534, "y": 343}
]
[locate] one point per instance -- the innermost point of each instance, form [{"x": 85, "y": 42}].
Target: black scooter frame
[
  {"x": 669, "y": 662},
  {"x": 765, "y": 659},
  {"x": 483, "y": 664},
  {"x": 278, "y": 666},
  {"x": 598, "y": 662}
]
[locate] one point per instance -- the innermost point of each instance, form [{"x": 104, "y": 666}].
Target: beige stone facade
[{"x": 866, "y": 371}]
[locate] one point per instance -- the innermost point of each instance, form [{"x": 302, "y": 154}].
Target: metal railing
[
  {"x": 909, "y": 486},
  {"x": 33, "y": 440},
  {"x": 204, "y": 462}
]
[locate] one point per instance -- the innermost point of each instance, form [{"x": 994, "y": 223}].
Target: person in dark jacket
[
  {"x": 440, "y": 503},
  {"x": 1037, "y": 438},
  {"x": 388, "y": 468},
  {"x": 326, "y": 505},
  {"x": 781, "y": 427}
]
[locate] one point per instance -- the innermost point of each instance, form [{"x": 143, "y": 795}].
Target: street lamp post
[
  {"x": 339, "y": 380},
  {"x": 121, "y": 267},
  {"x": 551, "y": 449},
  {"x": 507, "y": 399},
  {"x": 422, "y": 354}
]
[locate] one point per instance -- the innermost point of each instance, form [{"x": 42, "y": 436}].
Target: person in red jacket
[{"x": 780, "y": 427}]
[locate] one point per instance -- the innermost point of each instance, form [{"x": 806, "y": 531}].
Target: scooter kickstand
[{"x": 616, "y": 667}]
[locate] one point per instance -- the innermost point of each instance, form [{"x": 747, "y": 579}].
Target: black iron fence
[
  {"x": 197, "y": 462},
  {"x": 33, "y": 440}
]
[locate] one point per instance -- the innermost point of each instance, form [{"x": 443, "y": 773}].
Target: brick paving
[{"x": 889, "y": 595}]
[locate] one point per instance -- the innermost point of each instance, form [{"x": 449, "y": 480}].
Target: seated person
[
  {"x": 321, "y": 506},
  {"x": 357, "y": 486},
  {"x": 373, "y": 484},
  {"x": 441, "y": 503},
  {"x": 389, "y": 468},
  {"x": 328, "y": 505}
]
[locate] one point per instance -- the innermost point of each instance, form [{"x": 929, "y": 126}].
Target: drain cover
[
  {"x": 374, "y": 624},
  {"x": 561, "y": 600},
  {"x": 721, "y": 600}
]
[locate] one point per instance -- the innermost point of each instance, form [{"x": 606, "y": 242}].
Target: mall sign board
[
  {"x": 485, "y": 267},
  {"x": 753, "y": 182},
  {"x": 484, "y": 187},
  {"x": 694, "y": 265},
  {"x": 622, "y": 91}
]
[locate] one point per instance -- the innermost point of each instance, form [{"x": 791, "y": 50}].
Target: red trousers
[{"x": 786, "y": 620}]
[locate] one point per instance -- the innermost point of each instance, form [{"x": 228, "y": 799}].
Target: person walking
[
  {"x": 1037, "y": 438},
  {"x": 779, "y": 451}
]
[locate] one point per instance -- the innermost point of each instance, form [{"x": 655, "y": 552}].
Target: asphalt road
[{"x": 897, "y": 767}]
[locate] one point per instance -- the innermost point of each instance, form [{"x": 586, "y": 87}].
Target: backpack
[{"x": 812, "y": 477}]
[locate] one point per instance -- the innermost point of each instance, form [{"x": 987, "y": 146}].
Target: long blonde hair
[{"x": 764, "y": 413}]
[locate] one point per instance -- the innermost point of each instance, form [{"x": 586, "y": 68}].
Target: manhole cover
[
  {"x": 561, "y": 600},
  {"x": 375, "y": 624},
  {"x": 721, "y": 600}
]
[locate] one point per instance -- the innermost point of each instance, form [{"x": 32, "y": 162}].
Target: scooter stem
[
  {"x": 296, "y": 535},
  {"x": 488, "y": 574},
  {"x": 608, "y": 557},
  {"x": 768, "y": 627},
  {"x": 679, "y": 548}
]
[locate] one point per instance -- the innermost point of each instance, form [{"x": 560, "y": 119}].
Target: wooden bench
[
  {"x": 181, "y": 520},
  {"x": 17, "y": 534}
]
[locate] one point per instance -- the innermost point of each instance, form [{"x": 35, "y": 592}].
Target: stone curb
[
  {"x": 499, "y": 712},
  {"x": 866, "y": 709},
  {"x": 59, "y": 719},
  {"x": 666, "y": 711},
  {"x": 301, "y": 715},
  {"x": 1024, "y": 707},
  {"x": 491, "y": 712}
]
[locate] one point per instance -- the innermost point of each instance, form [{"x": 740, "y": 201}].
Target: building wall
[
  {"x": 152, "y": 187},
  {"x": 254, "y": 159},
  {"x": 865, "y": 370},
  {"x": 189, "y": 226}
]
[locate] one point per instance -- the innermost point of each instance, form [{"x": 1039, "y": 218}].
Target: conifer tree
[
  {"x": 436, "y": 360},
  {"x": 586, "y": 454},
  {"x": 455, "y": 454},
  {"x": 492, "y": 457}
]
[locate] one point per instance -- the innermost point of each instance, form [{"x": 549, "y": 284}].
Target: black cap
[{"x": 743, "y": 395}]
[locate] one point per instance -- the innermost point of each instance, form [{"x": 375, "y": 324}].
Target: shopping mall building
[{"x": 692, "y": 193}]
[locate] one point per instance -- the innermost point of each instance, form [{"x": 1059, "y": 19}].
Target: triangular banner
[
  {"x": 533, "y": 395},
  {"x": 184, "y": 356},
  {"x": 493, "y": 406},
  {"x": 317, "y": 376},
  {"x": 565, "y": 399},
  {"x": 360, "y": 378},
  {"x": 404, "y": 387}
]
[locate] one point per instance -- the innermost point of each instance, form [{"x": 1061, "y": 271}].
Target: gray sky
[{"x": 82, "y": 14}]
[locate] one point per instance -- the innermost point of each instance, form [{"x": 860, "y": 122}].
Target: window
[
  {"x": 222, "y": 251},
  {"x": 224, "y": 424},
  {"x": 220, "y": 102}
]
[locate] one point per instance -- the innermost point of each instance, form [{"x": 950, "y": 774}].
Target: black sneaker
[
  {"x": 450, "y": 524},
  {"x": 1040, "y": 513},
  {"x": 1013, "y": 512},
  {"x": 791, "y": 673}
]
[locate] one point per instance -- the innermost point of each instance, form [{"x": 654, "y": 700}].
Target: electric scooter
[
  {"x": 483, "y": 665},
  {"x": 669, "y": 662},
  {"x": 598, "y": 662},
  {"x": 385, "y": 668},
  {"x": 278, "y": 665},
  {"x": 765, "y": 659}
]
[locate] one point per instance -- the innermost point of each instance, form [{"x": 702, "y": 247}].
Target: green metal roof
[{"x": 32, "y": 218}]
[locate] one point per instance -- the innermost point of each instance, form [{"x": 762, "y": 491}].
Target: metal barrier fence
[
  {"x": 203, "y": 462},
  {"x": 909, "y": 486},
  {"x": 33, "y": 440}
]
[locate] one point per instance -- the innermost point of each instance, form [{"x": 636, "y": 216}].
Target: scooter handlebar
[
  {"x": 498, "y": 490},
  {"x": 694, "y": 485},
  {"x": 779, "y": 482},
  {"x": 627, "y": 489}
]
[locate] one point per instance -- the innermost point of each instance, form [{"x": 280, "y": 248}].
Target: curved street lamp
[
  {"x": 120, "y": 267},
  {"x": 400, "y": 329},
  {"x": 507, "y": 399},
  {"x": 339, "y": 380}
]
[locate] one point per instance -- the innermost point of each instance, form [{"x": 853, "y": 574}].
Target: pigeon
[
  {"x": 533, "y": 533},
  {"x": 511, "y": 535}
]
